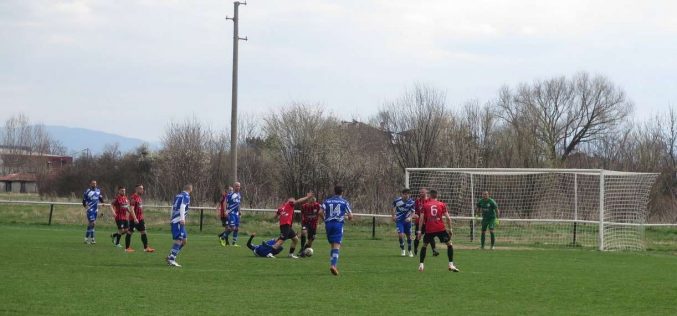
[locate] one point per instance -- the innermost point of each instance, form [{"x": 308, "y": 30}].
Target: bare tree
[{"x": 416, "y": 121}]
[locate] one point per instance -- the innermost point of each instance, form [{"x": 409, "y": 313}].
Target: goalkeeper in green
[{"x": 489, "y": 210}]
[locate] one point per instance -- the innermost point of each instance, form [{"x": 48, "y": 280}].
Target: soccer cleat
[
  {"x": 173, "y": 263},
  {"x": 222, "y": 241},
  {"x": 130, "y": 249},
  {"x": 453, "y": 268},
  {"x": 435, "y": 253},
  {"x": 148, "y": 249},
  {"x": 333, "y": 270},
  {"x": 411, "y": 254},
  {"x": 404, "y": 253},
  {"x": 235, "y": 245},
  {"x": 270, "y": 255},
  {"x": 112, "y": 239},
  {"x": 117, "y": 245},
  {"x": 93, "y": 242},
  {"x": 301, "y": 254},
  {"x": 492, "y": 247},
  {"x": 293, "y": 256},
  {"x": 420, "y": 267}
]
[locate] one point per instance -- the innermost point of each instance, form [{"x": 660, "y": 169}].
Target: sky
[{"x": 130, "y": 67}]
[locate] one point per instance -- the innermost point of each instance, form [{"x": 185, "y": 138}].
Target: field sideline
[{"x": 48, "y": 270}]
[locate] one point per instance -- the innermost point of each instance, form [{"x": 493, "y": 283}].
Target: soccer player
[
  {"x": 490, "y": 213},
  {"x": 233, "y": 212},
  {"x": 418, "y": 210},
  {"x": 178, "y": 224},
  {"x": 403, "y": 209},
  {"x": 223, "y": 216},
  {"x": 286, "y": 215},
  {"x": 434, "y": 217},
  {"x": 90, "y": 201},
  {"x": 309, "y": 215},
  {"x": 136, "y": 220},
  {"x": 120, "y": 208},
  {"x": 333, "y": 211},
  {"x": 266, "y": 249}
]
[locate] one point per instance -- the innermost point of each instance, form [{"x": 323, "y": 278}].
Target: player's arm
[
  {"x": 421, "y": 219},
  {"x": 182, "y": 212},
  {"x": 349, "y": 212},
  {"x": 496, "y": 208},
  {"x": 133, "y": 211},
  {"x": 394, "y": 214},
  {"x": 303, "y": 199},
  {"x": 84, "y": 199},
  {"x": 112, "y": 208},
  {"x": 320, "y": 214},
  {"x": 447, "y": 220}
]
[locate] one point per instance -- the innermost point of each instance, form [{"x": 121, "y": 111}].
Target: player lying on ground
[
  {"x": 490, "y": 213},
  {"x": 418, "y": 209},
  {"x": 233, "y": 201},
  {"x": 178, "y": 224},
  {"x": 403, "y": 209},
  {"x": 309, "y": 217},
  {"x": 286, "y": 215},
  {"x": 136, "y": 220},
  {"x": 435, "y": 217},
  {"x": 334, "y": 211},
  {"x": 90, "y": 201},
  {"x": 265, "y": 249}
]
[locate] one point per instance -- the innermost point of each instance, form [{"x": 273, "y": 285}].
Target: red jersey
[
  {"x": 309, "y": 212},
  {"x": 286, "y": 213},
  {"x": 418, "y": 207},
  {"x": 222, "y": 206},
  {"x": 121, "y": 207},
  {"x": 434, "y": 210},
  {"x": 136, "y": 202}
]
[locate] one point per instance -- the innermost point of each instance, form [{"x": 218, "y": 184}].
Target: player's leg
[
  {"x": 141, "y": 227},
  {"x": 424, "y": 250},
  {"x": 400, "y": 235},
  {"x": 128, "y": 237},
  {"x": 304, "y": 238},
  {"x": 483, "y": 235},
  {"x": 416, "y": 242},
  {"x": 493, "y": 237},
  {"x": 236, "y": 230},
  {"x": 179, "y": 236},
  {"x": 222, "y": 235},
  {"x": 407, "y": 233},
  {"x": 446, "y": 238},
  {"x": 249, "y": 242},
  {"x": 294, "y": 242},
  {"x": 312, "y": 232},
  {"x": 334, "y": 236}
]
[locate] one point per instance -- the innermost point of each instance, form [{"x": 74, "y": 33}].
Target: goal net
[{"x": 582, "y": 208}]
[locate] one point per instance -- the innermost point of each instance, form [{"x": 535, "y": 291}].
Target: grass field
[{"x": 48, "y": 270}]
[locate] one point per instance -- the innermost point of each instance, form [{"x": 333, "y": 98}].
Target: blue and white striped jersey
[
  {"x": 91, "y": 199},
  {"x": 403, "y": 208},
  {"x": 335, "y": 209},
  {"x": 233, "y": 200},
  {"x": 180, "y": 207}
]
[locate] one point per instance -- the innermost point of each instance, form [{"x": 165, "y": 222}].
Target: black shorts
[
  {"x": 286, "y": 232},
  {"x": 140, "y": 226},
  {"x": 443, "y": 236},
  {"x": 311, "y": 229},
  {"x": 224, "y": 221},
  {"x": 122, "y": 224}
]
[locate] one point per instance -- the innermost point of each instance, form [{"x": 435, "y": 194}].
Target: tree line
[{"x": 582, "y": 121}]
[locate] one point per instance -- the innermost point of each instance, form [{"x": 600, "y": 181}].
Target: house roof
[{"x": 27, "y": 177}]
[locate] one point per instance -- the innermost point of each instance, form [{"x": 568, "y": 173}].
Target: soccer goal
[{"x": 567, "y": 207}]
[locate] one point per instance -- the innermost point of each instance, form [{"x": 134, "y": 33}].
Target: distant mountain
[{"x": 77, "y": 139}]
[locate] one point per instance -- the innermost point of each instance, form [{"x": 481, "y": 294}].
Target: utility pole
[{"x": 233, "y": 115}]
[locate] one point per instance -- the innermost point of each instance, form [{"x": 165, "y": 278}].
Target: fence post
[
  {"x": 373, "y": 227},
  {"x": 201, "y": 217},
  {"x": 51, "y": 210}
]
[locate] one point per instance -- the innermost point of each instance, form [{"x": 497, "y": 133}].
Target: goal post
[{"x": 594, "y": 208}]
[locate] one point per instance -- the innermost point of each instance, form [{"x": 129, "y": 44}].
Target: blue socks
[
  {"x": 334, "y": 256},
  {"x": 401, "y": 243},
  {"x": 176, "y": 248},
  {"x": 409, "y": 244},
  {"x": 234, "y": 236}
]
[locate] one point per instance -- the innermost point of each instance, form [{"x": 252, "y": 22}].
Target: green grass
[{"x": 48, "y": 270}]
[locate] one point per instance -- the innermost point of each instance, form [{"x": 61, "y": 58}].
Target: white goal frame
[{"x": 647, "y": 178}]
